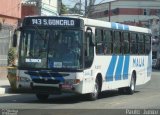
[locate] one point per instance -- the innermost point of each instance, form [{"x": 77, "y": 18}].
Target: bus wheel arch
[
  {"x": 99, "y": 78},
  {"x": 131, "y": 88},
  {"x": 135, "y": 75},
  {"x": 96, "y": 88}
]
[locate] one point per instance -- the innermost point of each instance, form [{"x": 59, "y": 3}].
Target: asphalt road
[{"x": 146, "y": 97}]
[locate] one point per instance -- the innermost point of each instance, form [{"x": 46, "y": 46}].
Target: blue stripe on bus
[
  {"x": 109, "y": 73},
  {"x": 114, "y": 25},
  {"x": 119, "y": 26},
  {"x": 119, "y": 68},
  {"x": 35, "y": 77},
  {"x": 58, "y": 76},
  {"x": 126, "y": 27},
  {"x": 61, "y": 79},
  {"x": 55, "y": 76},
  {"x": 126, "y": 67}
]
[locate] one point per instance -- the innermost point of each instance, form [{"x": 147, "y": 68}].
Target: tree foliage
[{"x": 63, "y": 9}]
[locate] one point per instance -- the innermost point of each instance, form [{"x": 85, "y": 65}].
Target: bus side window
[
  {"x": 125, "y": 48},
  {"x": 140, "y": 44},
  {"x": 108, "y": 42},
  {"x": 99, "y": 41},
  {"x": 133, "y": 44},
  {"x": 147, "y": 44},
  {"x": 117, "y": 42}
]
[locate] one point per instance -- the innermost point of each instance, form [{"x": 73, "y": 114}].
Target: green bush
[{"x": 12, "y": 55}]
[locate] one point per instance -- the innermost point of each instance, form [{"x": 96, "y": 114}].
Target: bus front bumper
[{"x": 55, "y": 88}]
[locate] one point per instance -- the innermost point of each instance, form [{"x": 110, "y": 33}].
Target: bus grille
[{"x": 48, "y": 81}]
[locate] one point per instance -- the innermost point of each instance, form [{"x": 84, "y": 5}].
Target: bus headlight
[{"x": 24, "y": 79}]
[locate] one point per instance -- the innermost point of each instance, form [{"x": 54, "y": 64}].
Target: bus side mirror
[
  {"x": 15, "y": 36},
  {"x": 14, "y": 40},
  {"x": 90, "y": 35}
]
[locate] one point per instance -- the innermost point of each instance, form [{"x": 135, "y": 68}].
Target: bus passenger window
[
  {"x": 126, "y": 48},
  {"x": 99, "y": 41},
  {"x": 140, "y": 44},
  {"x": 147, "y": 44},
  {"x": 133, "y": 44},
  {"x": 108, "y": 42},
  {"x": 117, "y": 43}
]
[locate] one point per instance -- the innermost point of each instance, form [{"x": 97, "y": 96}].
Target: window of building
[{"x": 146, "y": 12}]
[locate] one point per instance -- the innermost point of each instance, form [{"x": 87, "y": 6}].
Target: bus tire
[
  {"x": 131, "y": 88},
  {"x": 121, "y": 90},
  {"x": 94, "y": 95},
  {"x": 42, "y": 97}
]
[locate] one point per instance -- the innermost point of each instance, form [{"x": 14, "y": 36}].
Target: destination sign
[{"x": 52, "y": 21}]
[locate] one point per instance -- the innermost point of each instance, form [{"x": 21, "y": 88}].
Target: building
[
  {"x": 49, "y": 7},
  {"x": 10, "y": 14},
  {"x": 144, "y": 13},
  {"x": 133, "y": 12},
  {"x": 40, "y": 7},
  {"x": 28, "y": 10}
]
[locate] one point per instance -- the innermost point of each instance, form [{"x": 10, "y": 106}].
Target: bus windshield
[{"x": 51, "y": 48}]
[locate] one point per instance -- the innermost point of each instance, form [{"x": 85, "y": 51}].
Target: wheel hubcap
[
  {"x": 132, "y": 85},
  {"x": 95, "y": 92}
]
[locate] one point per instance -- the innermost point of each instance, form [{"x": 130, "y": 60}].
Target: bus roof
[
  {"x": 99, "y": 23},
  {"x": 112, "y": 25}
]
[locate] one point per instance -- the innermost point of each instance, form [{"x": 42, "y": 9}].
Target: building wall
[
  {"x": 127, "y": 11},
  {"x": 10, "y": 12},
  {"x": 49, "y": 7},
  {"x": 133, "y": 12},
  {"x": 29, "y": 10}
]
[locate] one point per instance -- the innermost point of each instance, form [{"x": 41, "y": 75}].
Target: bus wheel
[
  {"x": 121, "y": 90},
  {"x": 94, "y": 95},
  {"x": 131, "y": 88},
  {"x": 42, "y": 97}
]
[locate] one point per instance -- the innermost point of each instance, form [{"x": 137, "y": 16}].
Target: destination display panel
[{"x": 53, "y": 21}]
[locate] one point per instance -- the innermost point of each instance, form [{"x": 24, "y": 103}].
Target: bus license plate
[{"x": 66, "y": 86}]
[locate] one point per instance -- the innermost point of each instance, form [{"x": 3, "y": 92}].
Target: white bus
[{"x": 82, "y": 55}]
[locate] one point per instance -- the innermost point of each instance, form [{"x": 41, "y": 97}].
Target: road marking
[{"x": 8, "y": 95}]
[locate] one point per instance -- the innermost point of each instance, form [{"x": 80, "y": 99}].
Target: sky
[{"x": 71, "y": 3}]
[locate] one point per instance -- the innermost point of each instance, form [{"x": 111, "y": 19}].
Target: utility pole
[
  {"x": 158, "y": 49},
  {"x": 90, "y": 7},
  {"x": 39, "y": 5},
  {"x": 86, "y": 8},
  {"x": 109, "y": 12},
  {"x": 80, "y": 3},
  {"x": 158, "y": 14}
]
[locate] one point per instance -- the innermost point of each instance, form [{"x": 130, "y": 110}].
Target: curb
[{"x": 5, "y": 90}]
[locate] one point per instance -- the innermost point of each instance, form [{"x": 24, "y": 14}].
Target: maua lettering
[
  {"x": 53, "y": 22},
  {"x": 138, "y": 62}
]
